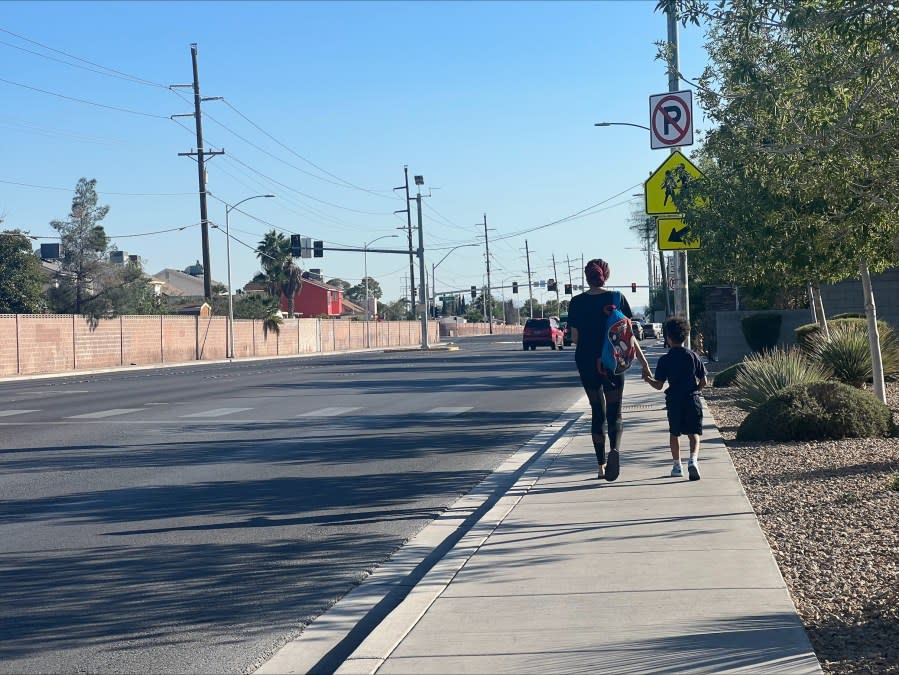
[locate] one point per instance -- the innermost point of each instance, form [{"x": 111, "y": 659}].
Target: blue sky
[{"x": 324, "y": 103}]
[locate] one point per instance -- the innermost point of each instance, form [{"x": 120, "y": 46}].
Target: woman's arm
[{"x": 641, "y": 357}]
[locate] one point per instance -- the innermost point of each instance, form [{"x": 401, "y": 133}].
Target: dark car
[{"x": 542, "y": 333}]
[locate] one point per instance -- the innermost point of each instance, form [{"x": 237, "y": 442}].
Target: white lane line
[
  {"x": 103, "y": 413},
  {"x": 7, "y": 413},
  {"x": 458, "y": 410},
  {"x": 217, "y": 412},
  {"x": 328, "y": 412}
]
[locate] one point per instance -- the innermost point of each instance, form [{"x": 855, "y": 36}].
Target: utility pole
[
  {"x": 682, "y": 291},
  {"x": 582, "y": 271},
  {"x": 570, "y": 282},
  {"x": 489, "y": 299},
  {"x": 421, "y": 269},
  {"x": 527, "y": 255},
  {"x": 408, "y": 213},
  {"x": 200, "y": 153},
  {"x": 556, "y": 277}
]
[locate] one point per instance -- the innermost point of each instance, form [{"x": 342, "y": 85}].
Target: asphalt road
[{"x": 194, "y": 519}]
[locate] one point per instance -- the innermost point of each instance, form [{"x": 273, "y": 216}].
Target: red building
[{"x": 315, "y": 298}]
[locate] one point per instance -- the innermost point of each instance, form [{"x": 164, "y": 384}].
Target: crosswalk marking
[
  {"x": 328, "y": 412},
  {"x": 8, "y": 413},
  {"x": 450, "y": 410},
  {"x": 103, "y": 413},
  {"x": 217, "y": 412}
]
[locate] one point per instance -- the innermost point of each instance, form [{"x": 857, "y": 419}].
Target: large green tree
[
  {"x": 800, "y": 181},
  {"x": 357, "y": 293},
  {"x": 83, "y": 248},
  {"x": 20, "y": 275}
]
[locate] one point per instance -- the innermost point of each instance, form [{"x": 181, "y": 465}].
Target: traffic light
[
  {"x": 633, "y": 288},
  {"x": 515, "y": 287},
  {"x": 318, "y": 249},
  {"x": 567, "y": 289},
  {"x": 474, "y": 292},
  {"x": 551, "y": 285},
  {"x": 296, "y": 245}
]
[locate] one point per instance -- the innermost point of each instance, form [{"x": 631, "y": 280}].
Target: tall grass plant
[
  {"x": 762, "y": 376},
  {"x": 847, "y": 352}
]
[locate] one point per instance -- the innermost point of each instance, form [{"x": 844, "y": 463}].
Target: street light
[
  {"x": 228, "y": 210},
  {"x": 434, "y": 267},
  {"x": 621, "y": 124},
  {"x": 365, "y": 274}
]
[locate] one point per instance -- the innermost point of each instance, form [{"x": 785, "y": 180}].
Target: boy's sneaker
[
  {"x": 693, "y": 469},
  {"x": 677, "y": 471}
]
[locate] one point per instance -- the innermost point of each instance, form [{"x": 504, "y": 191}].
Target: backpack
[{"x": 618, "y": 349}]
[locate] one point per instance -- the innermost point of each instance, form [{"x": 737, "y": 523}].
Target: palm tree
[{"x": 279, "y": 271}]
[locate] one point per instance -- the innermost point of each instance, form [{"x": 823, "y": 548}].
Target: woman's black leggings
[{"x": 604, "y": 394}]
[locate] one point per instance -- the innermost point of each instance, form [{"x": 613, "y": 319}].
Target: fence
[{"x": 32, "y": 344}]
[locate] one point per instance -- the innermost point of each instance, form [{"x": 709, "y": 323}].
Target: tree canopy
[
  {"x": 800, "y": 173},
  {"x": 21, "y": 280}
]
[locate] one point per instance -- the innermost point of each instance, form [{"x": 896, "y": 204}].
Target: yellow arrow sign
[
  {"x": 675, "y": 235},
  {"x": 666, "y": 183}
]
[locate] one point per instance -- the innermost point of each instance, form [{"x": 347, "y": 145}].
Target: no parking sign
[{"x": 671, "y": 119}]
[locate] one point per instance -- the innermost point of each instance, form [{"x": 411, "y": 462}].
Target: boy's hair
[{"x": 677, "y": 329}]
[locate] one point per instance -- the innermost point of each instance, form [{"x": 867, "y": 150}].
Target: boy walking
[{"x": 686, "y": 375}]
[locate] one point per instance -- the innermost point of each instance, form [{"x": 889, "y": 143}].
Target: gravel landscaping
[{"x": 830, "y": 511}]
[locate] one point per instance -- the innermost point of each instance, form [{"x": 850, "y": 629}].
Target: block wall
[
  {"x": 46, "y": 343},
  {"x": 97, "y": 345},
  {"x": 179, "y": 338},
  {"x": 9, "y": 345},
  {"x": 141, "y": 339}
]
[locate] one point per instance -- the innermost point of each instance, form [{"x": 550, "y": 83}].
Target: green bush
[
  {"x": 817, "y": 411},
  {"x": 762, "y": 376},
  {"x": 726, "y": 377},
  {"x": 761, "y": 330},
  {"x": 847, "y": 352},
  {"x": 805, "y": 332}
]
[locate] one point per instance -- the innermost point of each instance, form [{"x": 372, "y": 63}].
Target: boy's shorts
[{"x": 684, "y": 415}]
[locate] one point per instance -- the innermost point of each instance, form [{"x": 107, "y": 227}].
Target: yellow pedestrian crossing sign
[
  {"x": 675, "y": 235},
  {"x": 667, "y": 182}
]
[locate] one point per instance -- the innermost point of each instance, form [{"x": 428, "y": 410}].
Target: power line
[
  {"x": 104, "y": 192},
  {"x": 111, "y": 71},
  {"x": 82, "y": 100}
]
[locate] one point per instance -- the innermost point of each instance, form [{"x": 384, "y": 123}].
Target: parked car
[
  {"x": 652, "y": 330},
  {"x": 637, "y": 327},
  {"x": 542, "y": 333}
]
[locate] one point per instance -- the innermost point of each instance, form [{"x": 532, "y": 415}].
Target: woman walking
[{"x": 587, "y": 315}]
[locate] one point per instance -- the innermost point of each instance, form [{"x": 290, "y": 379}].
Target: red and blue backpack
[{"x": 618, "y": 350}]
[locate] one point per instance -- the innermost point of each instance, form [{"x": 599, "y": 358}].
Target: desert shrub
[
  {"x": 817, "y": 411},
  {"x": 762, "y": 376},
  {"x": 848, "y": 315},
  {"x": 805, "y": 332},
  {"x": 847, "y": 352},
  {"x": 726, "y": 377},
  {"x": 761, "y": 330}
]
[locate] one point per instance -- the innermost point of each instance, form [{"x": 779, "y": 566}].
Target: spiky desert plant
[{"x": 761, "y": 376}]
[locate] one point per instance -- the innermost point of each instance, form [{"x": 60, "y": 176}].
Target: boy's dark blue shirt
[{"x": 682, "y": 369}]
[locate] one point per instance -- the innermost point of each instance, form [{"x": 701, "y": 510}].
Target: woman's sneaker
[
  {"x": 693, "y": 469},
  {"x": 677, "y": 471}
]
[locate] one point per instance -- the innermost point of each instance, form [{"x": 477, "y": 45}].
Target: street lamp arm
[
  {"x": 451, "y": 250},
  {"x": 228, "y": 208},
  {"x": 621, "y": 124}
]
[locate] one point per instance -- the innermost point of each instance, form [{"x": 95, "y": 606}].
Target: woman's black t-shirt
[{"x": 586, "y": 313}]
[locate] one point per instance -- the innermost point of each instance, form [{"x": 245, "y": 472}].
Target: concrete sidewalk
[{"x": 567, "y": 574}]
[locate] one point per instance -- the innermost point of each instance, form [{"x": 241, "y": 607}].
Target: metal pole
[
  {"x": 682, "y": 294},
  {"x": 489, "y": 298},
  {"x": 230, "y": 291},
  {"x": 367, "y": 301},
  {"x": 527, "y": 255},
  {"x": 421, "y": 276},
  {"x": 433, "y": 289},
  {"x": 409, "y": 225}
]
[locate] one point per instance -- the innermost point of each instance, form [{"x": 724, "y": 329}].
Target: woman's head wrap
[{"x": 597, "y": 272}]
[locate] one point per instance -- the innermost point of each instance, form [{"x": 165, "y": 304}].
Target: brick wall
[
  {"x": 97, "y": 345},
  {"x": 46, "y": 343},
  {"x": 33, "y": 344},
  {"x": 9, "y": 345}
]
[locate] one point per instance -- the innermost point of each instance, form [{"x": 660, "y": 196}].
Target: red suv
[{"x": 542, "y": 333}]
